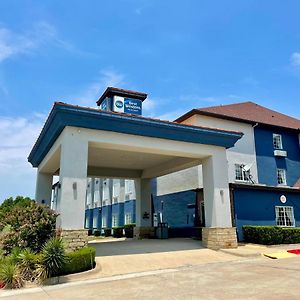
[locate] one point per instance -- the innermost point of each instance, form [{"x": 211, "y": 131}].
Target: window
[
  {"x": 128, "y": 218},
  {"x": 95, "y": 220},
  {"x": 285, "y": 216},
  {"x": 277, "y": 141},
  {"x": 281, "y": 176},
  {"x": 129, "y": 188},
  {"x": 104, "y": 222},
  {"x": 105, "y": 190},
  {"x": 116, "y": 190},
  {"x": 240, "y": 173},
  {"x": 114, "y": 220}
]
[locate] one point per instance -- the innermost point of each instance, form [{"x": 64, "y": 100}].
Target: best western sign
[{"x": 127, "y": 105}]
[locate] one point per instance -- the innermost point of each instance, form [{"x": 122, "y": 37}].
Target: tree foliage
[
  {"x": 10, "y": 203},
  {"x": 27, "y": 226}
]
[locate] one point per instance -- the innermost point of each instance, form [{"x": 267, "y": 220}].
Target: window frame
[
  {"x": 243, "y": 177},
  {"x": 114, "y": 220},
  {"x": 284, "y": 179},
  {"x": 288, "y": 212},
  {"x": 276, "y": 145},
  {"x": 128, "y": 217}
]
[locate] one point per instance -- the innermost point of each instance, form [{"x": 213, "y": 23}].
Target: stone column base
[
  {"x": 143, "y": 232},
  {"x": 74, "y": 239},
  {"x": 219, "y": 238}
]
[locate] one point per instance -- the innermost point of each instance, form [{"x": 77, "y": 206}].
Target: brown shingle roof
[
  {"x": 246, "y": 112},
  {"x": 121, "y": 92}
]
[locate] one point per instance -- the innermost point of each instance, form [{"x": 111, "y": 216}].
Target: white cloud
[
  {"x": 90, "y": 93},
  {"x": 295, "y": 59},
  {"x": 14, "y": 43},
  {"x": 17, "y": 137}
]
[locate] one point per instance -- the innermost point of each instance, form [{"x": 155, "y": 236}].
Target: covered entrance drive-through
[{"x": 78, "y": 142}]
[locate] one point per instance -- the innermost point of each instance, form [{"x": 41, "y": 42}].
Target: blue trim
[{"x": 63, "y": 115}]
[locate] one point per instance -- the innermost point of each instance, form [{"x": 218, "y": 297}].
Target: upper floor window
[
  {"x": 105, "y": 190},
  {"x": 281, "y": 176},
  {"x": 116, "y": 190},
  {"x": 129, "y": 188},
  {"x": 285, "y": 216},
  {"x": 241, "y": 174},
  {"x": 277, "y": 141}
]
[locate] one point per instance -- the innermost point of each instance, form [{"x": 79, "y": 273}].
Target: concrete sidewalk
[
  {"x": 244, "y": 279},
  {"x": 255, "y": 250}
]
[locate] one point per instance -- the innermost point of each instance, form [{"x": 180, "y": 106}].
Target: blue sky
[{"x": 184, "y": 54}]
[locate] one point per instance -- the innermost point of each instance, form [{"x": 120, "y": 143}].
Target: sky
[{"x": 184, "y": 54}]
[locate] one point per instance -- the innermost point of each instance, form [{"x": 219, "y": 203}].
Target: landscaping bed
[{"x": 32, "y": 251}]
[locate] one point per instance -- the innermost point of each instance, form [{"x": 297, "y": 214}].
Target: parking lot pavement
[{"x": 255, "y": 278}]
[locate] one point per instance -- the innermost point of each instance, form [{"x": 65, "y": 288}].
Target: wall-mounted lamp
[{"x": 146, "y": 215}]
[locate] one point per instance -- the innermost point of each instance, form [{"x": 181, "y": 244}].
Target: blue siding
[
  {"x": 175, "y": 208},
  {"x": 129, "y": 207},
  {"x": 88, "y": 219},
  {"x": 97, "y": 213},
  {"x": 118, "y": 209},
  {"x": 106, "y": 213},
  {"x": 267, "y": 163},
  {"x": 257, "y": 207}
]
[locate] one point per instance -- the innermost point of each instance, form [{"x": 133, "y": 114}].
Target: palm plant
[
  {"x": 53, "y": 257},
  {"x": 10, "y": 274},
  {"x": 27, "y": 261}
]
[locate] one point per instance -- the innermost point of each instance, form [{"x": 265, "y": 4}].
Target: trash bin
[{"x": 162, "y": 231}]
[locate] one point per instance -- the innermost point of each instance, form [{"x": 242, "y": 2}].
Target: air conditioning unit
[{"x": 280, "y": 153}]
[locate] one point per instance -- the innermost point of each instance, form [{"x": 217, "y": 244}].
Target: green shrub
[
  {"x": 10, "y": 274},
  {"x": 9, "y": 204},
  {"x": 271, "y": 235},
  {"x": 79, "y": 261},
  {"x": 27, "y": 227},
  {"x": 97, "y": 232},
  {"x": 53, "y": 257},
  {"x": 129, "y": 228},
  {"x": 118, "y": 231},
  {"x": 291, "y": 235},
  {"x": 107, "y": 232}
]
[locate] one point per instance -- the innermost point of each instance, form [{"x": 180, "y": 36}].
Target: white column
[
  {"x": 43, "y": 192},
  {"x": 143, "y": 202},
  {"x": 216, "y": 191},
  {"x": 73, "y": 180}
]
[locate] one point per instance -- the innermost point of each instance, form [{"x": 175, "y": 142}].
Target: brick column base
[
  {"x": 74, "y": 239},
  {"x": 219, "y": 238},
  {"x": 143, "y": 232}
]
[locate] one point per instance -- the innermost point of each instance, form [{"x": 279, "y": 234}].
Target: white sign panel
[{"x": 118, "y": 104}]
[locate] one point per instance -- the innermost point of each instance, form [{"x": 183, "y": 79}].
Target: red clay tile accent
[{"x": 297, "y": 184}]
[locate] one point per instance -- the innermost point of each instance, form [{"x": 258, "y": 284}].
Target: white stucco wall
[
  {"x": 242, "y": 153},
  {"x": 180, "y": 181}
]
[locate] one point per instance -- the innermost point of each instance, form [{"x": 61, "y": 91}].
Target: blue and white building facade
[
  {"x": 109, "y": 203},
  {"x": 263, "y": 172},
  {"x": 263, "y": 167}
]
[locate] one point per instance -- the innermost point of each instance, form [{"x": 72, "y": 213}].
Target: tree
[
  {"x": 28, "y": 226},
  {"x": 8, "y": 204}
]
